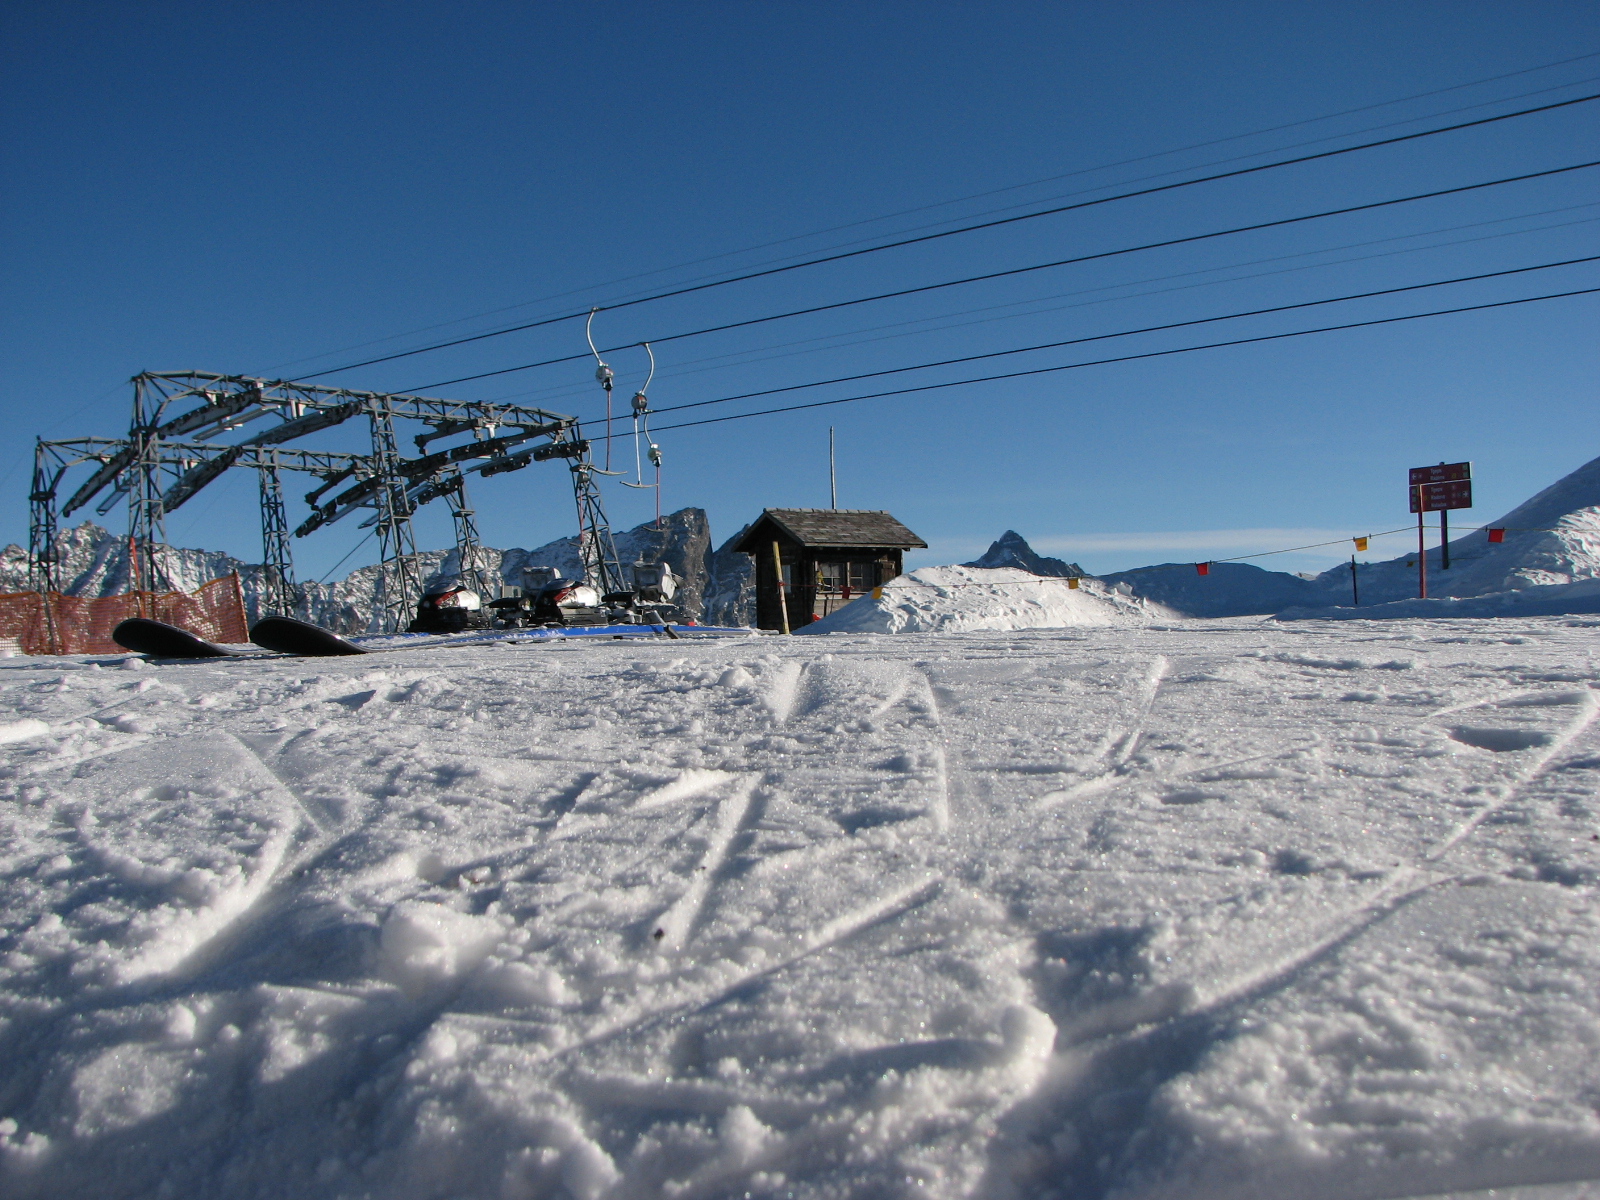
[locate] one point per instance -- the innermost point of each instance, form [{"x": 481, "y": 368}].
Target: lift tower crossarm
[{"x": 303, "y": 408}]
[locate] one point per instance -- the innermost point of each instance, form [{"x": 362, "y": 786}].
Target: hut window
[{"x": 832, "y": 577}]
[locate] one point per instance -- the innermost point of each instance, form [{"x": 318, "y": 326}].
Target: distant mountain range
[{"x": 1551, "y": 540}]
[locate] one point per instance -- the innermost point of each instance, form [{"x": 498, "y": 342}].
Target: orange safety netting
[{"x": 50, "y": 623}]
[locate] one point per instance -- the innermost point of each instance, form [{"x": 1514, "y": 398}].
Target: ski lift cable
[
  {"x": 1100, "y": 337},
  {"x": 1161, "y": 174},
  {"x": 982, "y": 195},
  {"x": 1269, "y": 337},
  {"x": 1125, "y": 333},
  {"x": 826, "y": 342},
  {"x": 1063, "y": 262},
  {"x": 617, "y": 302},
  {"x": 971, "y": 228},
  {"x": 349, "y": 554}
]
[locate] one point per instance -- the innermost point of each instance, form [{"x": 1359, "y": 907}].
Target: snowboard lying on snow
[
  {"x": 160, "y": 640},
  {"x": 288, "y": 636},
  {"x": 285, "y": 635}
]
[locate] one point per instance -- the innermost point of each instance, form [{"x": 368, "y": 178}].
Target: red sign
[
  {"x": 1443, "y": 473},
  {"x": 1438, "y": 497}
]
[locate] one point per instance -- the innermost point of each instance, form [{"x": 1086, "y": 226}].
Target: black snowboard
[
  {"x": 288, "y": 636},
  {"x": 160, "y": 640}
]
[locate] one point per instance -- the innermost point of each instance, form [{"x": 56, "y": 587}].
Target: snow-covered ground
[
  {"x": 1185, "y": 909},
  {"x": 968, "y": 599}
]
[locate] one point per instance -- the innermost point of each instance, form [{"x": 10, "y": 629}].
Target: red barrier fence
[{"x": 50, "y": 623}]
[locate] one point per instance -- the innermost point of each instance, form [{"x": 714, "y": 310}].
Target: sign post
[{"x": 1438, "y": 489}]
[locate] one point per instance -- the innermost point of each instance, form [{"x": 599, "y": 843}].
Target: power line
[
  {"x": 1009, "y": 188},
  {"x": 928, "y": 237},
  {"x": 1269, "y": 337},
  {"x": 1061, "y": 262},
  {"x": 1100, "y": 337}
]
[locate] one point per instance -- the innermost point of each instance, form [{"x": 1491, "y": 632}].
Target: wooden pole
[
  {"x": 1355, "y": 588},
  {"x": 783, "y": 601},
  {"x": 1444, "y": 539}
]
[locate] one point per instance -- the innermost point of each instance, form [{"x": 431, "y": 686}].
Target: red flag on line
[
  {"x": 1203, "y": 568},
  {"x": 1497, "y": 535}
]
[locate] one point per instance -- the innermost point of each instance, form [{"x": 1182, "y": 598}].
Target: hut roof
[{"x": 831, "y": 528}]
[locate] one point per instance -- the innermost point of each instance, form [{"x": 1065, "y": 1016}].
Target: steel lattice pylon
[
  {"x": 280, "y": 593},
  {"x": 595, "y": 544},
  {"x": 146, "y": 514},
  {"x": 469, "y": 548},
  {"x": 44, "y": 559},
  {"x": 397, "y": 584},
  {"x": 166, "y": 459}
]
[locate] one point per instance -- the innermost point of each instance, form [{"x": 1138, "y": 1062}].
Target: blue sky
[{"x": 281, "y": 188}]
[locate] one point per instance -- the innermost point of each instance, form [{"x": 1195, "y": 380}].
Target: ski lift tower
[{"x": 166, "y": 459}]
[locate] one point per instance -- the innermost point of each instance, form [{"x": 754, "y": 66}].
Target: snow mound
[
  {"x": 970, "y": 599},
  {"x": 1553, "y": 538}
]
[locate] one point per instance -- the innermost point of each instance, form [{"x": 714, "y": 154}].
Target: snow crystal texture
[{"x": 1118, "y": 908}]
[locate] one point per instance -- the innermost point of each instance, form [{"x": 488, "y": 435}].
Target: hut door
[{"x": 832, "y": 580}]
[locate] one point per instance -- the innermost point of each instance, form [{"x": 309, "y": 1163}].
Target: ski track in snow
[{"x": 1207, "y": 909}]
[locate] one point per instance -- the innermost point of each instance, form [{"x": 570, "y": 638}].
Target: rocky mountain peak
[{"x": 1011, "y": 549}]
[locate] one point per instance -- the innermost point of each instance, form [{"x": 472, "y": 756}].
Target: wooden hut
[{"x": 827, "y": 557}]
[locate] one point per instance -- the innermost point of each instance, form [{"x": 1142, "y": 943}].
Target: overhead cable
[
  {"x": 1216, "y": 162},
  {"x": 928, "y": 237},
  {"x": 1268, "y": 337},
  {"x": 743, "y": 359},
  {"x": 1100, "y": 337},
  {"x": 995, "y": 192},
  {"x": 1061, "y": 262}
]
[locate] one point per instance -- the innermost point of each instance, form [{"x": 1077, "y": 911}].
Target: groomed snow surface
[{"x": 1199, "y": 909}]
